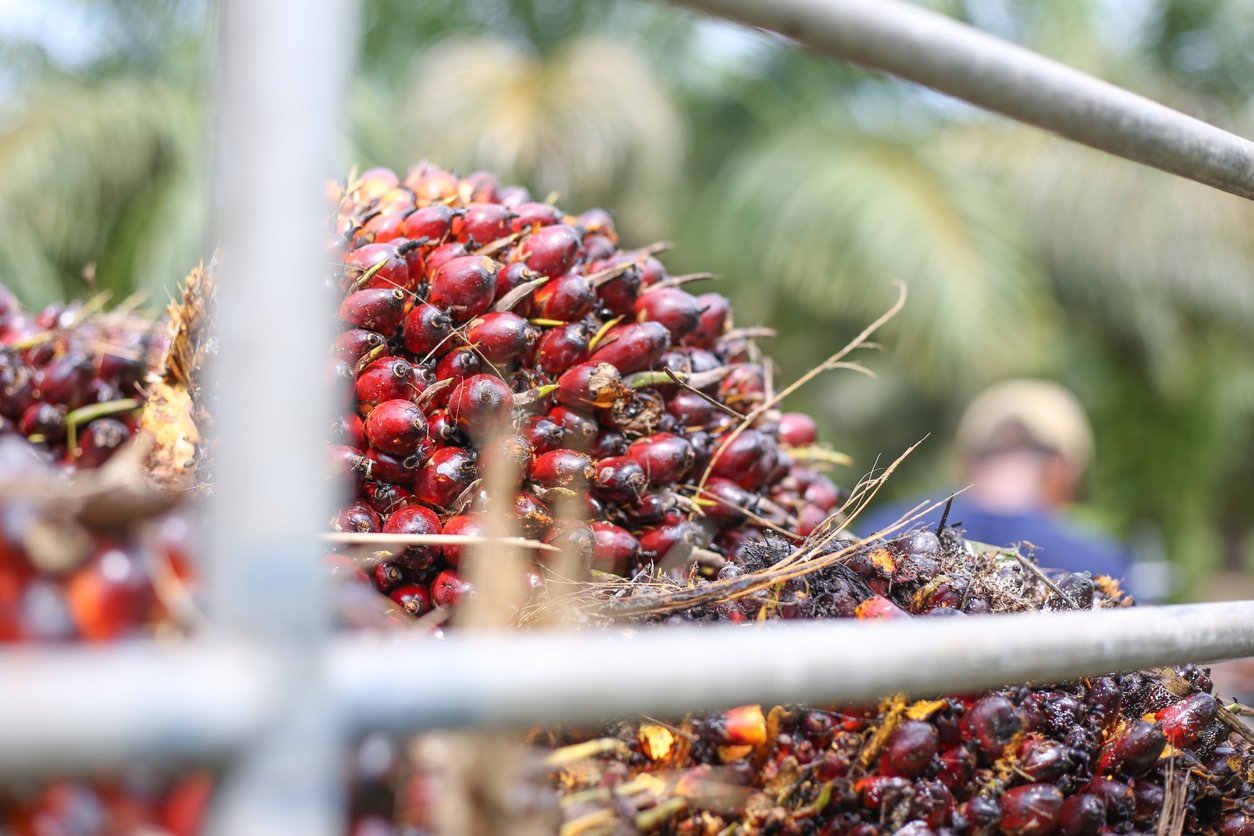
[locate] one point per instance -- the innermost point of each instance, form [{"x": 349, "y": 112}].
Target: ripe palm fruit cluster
[{"x": 481, "y": 325}]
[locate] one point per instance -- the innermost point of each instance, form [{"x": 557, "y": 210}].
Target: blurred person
[{"x": 1023, "y": 447}]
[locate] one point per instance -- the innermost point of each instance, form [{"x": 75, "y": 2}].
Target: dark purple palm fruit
[
  {"x": 573, "y": 537},
  {"x": 464, "y": 287},
  {"x": 509, "y": 279},
  {"x": 909, "y": 749},
  {"x": 1083, "y": 814},
  {"x": 531, "y": 515},
  {"x": 378, "y": 266},
  {"x": 652, "y": 271},
  {"x": 359, "y": 518},
  {"x": 399, "y": 470},
  {"x": 1031, "y": 810},
  {"x": 17, "y": 387},
  {"x": 501, "y": 337},
  {"x": 609, "y": 442},
  {"x": 348, "y": 465},
  {"x": 1183, "y": 722},
  {"x": 567, "y": 469},
  {"x": 734, "y": 458},
  {"x": 386, "y": 379},
  {"x": 675, "y": 308},
  {"x": 530, "y": 216},
  {"x": 633, "y": 348},
  {"x": 455, "y": 367},
  {"x": 1133, "y": 751},
  {"x": 1044, "y": 761},
  {"x": 675, "y": 533},
  {"x": 426, "y": 331},
  {"x": 396, "y": 426},
  {"x": 550, "y": 250},
  {"x": 620, "y": 479},
  {"x": 665, "y": 457},
  {"x": 511, "y": 451},
  {"x": 482, "y": 223},
  {"x": 957, "y": 768},
  {"x": 45, "y": 420},
  {"x": 481, "y": 405},
  {"x": 415, "y": 520},
  {"x": 589, "y": 385},
  {"x": 355, "y": 343},
  {"x": 377, "y": 309},
  {"x": 598, "y": 222},
  {"x": 597, "y": 247},
  {"x": 567, "y": 298},
  {"x": 434, "y": 224},
  {"x": 725, "y": 503},
  {"x": 618, "y": 291},
  {"x": 100, "y": 440},
  {"x": 714, "y": 320},
  {"x": 66, "y": 380},
  {"x": 991, "y": 723},
  {"x": 543, "y": 433},
  {"x": 616, "y": 550},
  {"x": 1117, "y": 796},
  {"x": 744, "y": 387},
  {"x": 446, "y": 476},
  {"x": 689, "y": 409},
  {"x": 563, "y": 346},
  {"x": 442, "y": 430}
]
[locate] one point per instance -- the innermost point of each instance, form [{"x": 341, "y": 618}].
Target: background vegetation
[{"x": 808, "y": 186}]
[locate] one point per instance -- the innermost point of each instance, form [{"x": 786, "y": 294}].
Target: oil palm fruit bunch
[{"x": 481, "y": 325}]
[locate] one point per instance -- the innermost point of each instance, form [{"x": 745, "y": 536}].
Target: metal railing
[{"x": 273, "y": 693}]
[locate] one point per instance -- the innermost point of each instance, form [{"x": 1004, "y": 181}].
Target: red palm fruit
[
  {"x": 1103, "y": 701},
  {"x": 563, "y": 469},
  {"x": 543, "y": 434},
  {"x": 1134, "y": 751},
  {"x": 796, "y": 429},
  {"x": 456, "y": 366},
  {"x": 393, "y": 274},
  {"x": 415, "y": 519},
  {"x": 713, "y": 321},
  {"x": 355, "y": 343},
  {"x": 573, "y": 537},
  {"x": 384, "y": 497},
  {"x": 616, "y": 550},
  {"x": 387, "y": 575},
  {"x": 100, "y": 440},
  {"x": 481, "y": 405},
  {"x": 448, "y": 589},
  {"x": 633, "y": 348},
  {"x": 480, "y": 187},
  {"x": 1183, "y": 722},
  {"x": 597, "y": 222},
  {"x": 620, "y": 479},
  {"x": 531, "y": 515},
  {"x": 445, "y": 477},
  {"x": 434, "y": 223},
  {"x": 617, "y": 296},
  {"x": 426, "y": 331},
  {"x": 1031, "y": 810},
  {"x": 17, "y": 390},
  {"x": 735, "y": 459},
  {"x": 111, "y": 595},
  {"x": 464, "y": 525},
  {"x": 372, "y": 183},
  {"x": 567, "y": 298},
  {"x": 690, "y": 409},
  {"x": 510, "y": 451},
  {"x": 674, "y": 308},
  {"x": 1083, "y": 814},
  {"x": 730, "y": 501},
  {"x": 562, "y": 347},
  {"x": 1237, "y": 823},
  {"x": 665, "y": 457},
  {"x": 44, "y": 419},
  {"x": 1042, "y": 760},
  {"x": 442, "y": 430},
  {"x": 651, "y": 510},
  {"x": 550, "y": 250},
  {"x": 445, "y": 253},
  {"x": 358, "y": 517},
  {"x": 378, "y": 309},
  {"x": 809, "y": 518},
  {"x": 652, "y": 271},
  {"x": 66, "y": 380},
  {"x": 482, "y": 223},
  {"x": 501, "y": 337},
  {"x": 1149, "y": 800},
  {"x": 465, "y": 286},
  {"x": 432, "y": 185},
  {"x": 823, "y": 492},
  {"x": 342, "y": 569},
  {"x": 384, "y": 467},
  {"x": 675, "y": 531},
  {"x": 384, "y": 228},
  {"x": 396, "y": 427},
  {"x": 957, "y": 768},
  {"x": 386, "y": 379},
  {"x": 909, "y": 749},
  {"x": 878, "y": 607},
  {"x": 597, "y": 247},
  {"x": 510, "y": 278},
  {"x": 744, "y": 385},
  {"x": 514, "y": 197},
  {"x": 529, "y": 215},
  {"x": 412, "y": 598},
  {"x": 1118, "y": 797},
  {"x": 991, "y": 723},
  {"x": 592, "y": 384}
]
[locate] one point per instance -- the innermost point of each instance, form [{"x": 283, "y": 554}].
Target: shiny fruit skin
[
  {"x": 633, "y": 348},
  {"x": 620, "y": 479},
  {"x": 386, "y": 379},
  {"x": 378, "y": 309},
  {"x": 563, "y": 346},
  {"x": 412, "y": 598},
  {"x": 715, "y": 320},
  {"x": 396, "y": 426},
  {"x": 1031, "y": 810},
  {"x": 567, "y": 298},
  {"x": 563, "y": 468},
  {"x": 481, "y": 405},
  {"x": 464, "y": 525},
  {"x": 674, "y": 308},
  {"x": 796, "y": 429},
  {"x": 665, "y": 457},
  {"x": 616, "y": 549},
  {"x": 448, "y": 589},
  {"x": 415, "y": 519},
  {"x": 1182, "y": 722},
  {"x": 501, "y": 337},
  {"x": 464, "y": 287},
  {"x": 446, "y": 476},
  {"x": 909, "y": 749},
  {"x": 427, "y": 330},
  {"x": 551, "y": 250},
  {"x": 110, "y": 596},
  {"x": 991, "y": 723}
]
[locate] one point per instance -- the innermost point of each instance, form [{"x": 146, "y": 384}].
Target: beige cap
[{"x": 1048, "y": 412}]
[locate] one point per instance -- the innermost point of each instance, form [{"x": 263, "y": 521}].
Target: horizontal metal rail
[
  {"x": 196, "y": 700},
  {"x": 941, "y": 53}
]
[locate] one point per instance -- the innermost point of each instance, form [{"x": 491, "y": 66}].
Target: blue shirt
[{"x": 1059, "y": 542}]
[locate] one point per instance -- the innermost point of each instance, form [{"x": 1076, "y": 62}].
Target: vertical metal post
[{"x": 283, "y": 71}]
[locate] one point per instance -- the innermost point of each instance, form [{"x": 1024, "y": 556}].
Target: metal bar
[
  {"x": 283, "y": 73},
  {"x": 179, "y": 703},
  {"x": 954, "y": 58},
  {"x": 85, "y": 707}
]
